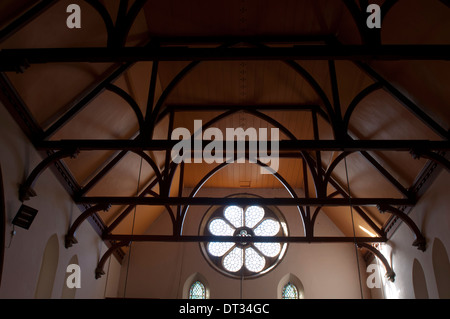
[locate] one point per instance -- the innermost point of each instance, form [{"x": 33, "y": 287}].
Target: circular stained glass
[{"x": 243, "y": 259}]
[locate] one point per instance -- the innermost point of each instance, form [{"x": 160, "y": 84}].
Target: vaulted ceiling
[{"x": 386, "y": 99}]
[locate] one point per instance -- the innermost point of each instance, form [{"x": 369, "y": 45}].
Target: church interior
[{"x": 229, "y": 149}]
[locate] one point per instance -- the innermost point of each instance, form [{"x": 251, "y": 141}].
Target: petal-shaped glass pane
[
  {"x": 234, "y": 215},
  {"x": 268, "y": 227},
  {"x": 219, "y": 227},
  {"x": 253, "y": 216},
  {"x": 219, "y": 249},
  {"x": 269, "y": 249},
  {"x": 254, "y": 261},
  {"x": 233, "y": 260}
]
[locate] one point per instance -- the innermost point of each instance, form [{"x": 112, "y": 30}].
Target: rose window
[{"x": 244, "y": 259}]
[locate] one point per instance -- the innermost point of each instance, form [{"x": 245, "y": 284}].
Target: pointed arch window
[
  {"x": 197, "y": 290},
  {"x": 290, "y": 291}
]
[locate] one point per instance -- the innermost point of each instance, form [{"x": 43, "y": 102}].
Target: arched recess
[
  {"x": 441, "y": 266},
  {"x": 190, "y": 280},
  {"x": 290, "y": 278},
  {"x": 47, "y": 273},
  {"x": 69, "y": 293},
  {"x": 419, "y": 281}
]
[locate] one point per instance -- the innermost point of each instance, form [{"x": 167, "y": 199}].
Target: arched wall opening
[
  {"x": 190, "y": 280},
  {"x": 441, "y": 266},
  {"x": 291, "y": 278}
]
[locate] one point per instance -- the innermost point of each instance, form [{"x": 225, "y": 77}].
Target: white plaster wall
[
  {"x": 23, "y": 258},
  {"x": 432, "y": 216},
  {"x": 159, "y": 270}
]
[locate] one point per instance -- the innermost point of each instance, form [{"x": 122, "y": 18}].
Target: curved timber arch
[
  {"x": 310, "y": 163},
  {"x": 26, "y": 188},
  {"x": 131, "y": 102},
  {"x": 332, "y": 166},
  {"x": 356, "y": 100},
  {"x": 104, "y": 14},
  {"x": 288, "y": 133},
  {"x": 159, "y": 178},
  {"x": 329, "y": 113},
  {"x": 319, "y": 208},
  {"x": 306, "y": 222},
  {"x": 153, "y": 165}
]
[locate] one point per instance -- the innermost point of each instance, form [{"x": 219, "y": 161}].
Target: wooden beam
[
  {"x": 208, "y": 201},
  {"x": 14, "y": 59},
  {"x": 254, "y": 239},
  {"x": 284, "y": 145}
]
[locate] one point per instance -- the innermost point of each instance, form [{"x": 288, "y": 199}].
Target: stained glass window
[
  {"x": 197, "y": 291},
  {"x": 290, "y": 291},
  {"x": 250, "y": 258}
]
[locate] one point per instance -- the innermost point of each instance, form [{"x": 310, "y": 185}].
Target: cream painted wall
[
  {"x": 160, "y": 270},
  {"x": 432, "y": 216},
  {"x": 23, "y": 258}
]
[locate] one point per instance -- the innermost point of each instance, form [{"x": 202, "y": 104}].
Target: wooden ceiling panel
[
  {"x": 122, "y": 180},
  {"x": 379, "y": 116},
  {"x": 87, "y": 164},
  {"x": 351, "y": 81},
  {"x": 108, "y": 117},
  {"x": 401, "y": 165},
  {"x": 417, "y": 21},
  {"x": 424, "y": 82},
  {"x": 299, "y": 123},
  {"x": 48, "y": 90},
  {"x": 49, "y": 30},
  {"x": 11, "y": 9},
  {"x": 240, "y": 17},
  {"x": 186, "y": 119},
  {"x": 364, "y": 180},
  {"x": 237, "y": 83},
  {"x": 245, "y": 175},
  {"x": 136, "y": 82},
  {"x": 342, "y": 218},
  {"x": 139, "y": 220}
]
